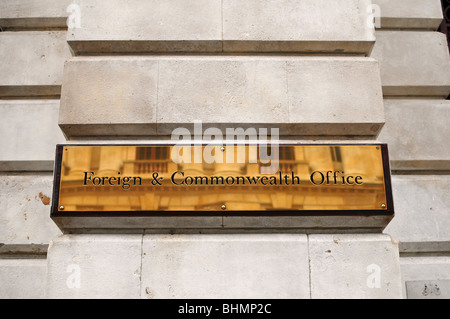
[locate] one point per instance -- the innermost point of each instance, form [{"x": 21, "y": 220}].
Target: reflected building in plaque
[{"x": 140, "y": 178}]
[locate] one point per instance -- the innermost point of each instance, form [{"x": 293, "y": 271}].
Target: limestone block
[
  {"x": 22, "y": 278},
  {"x": 321, "y": 102},
  {"x": 422, "y": 210},
  {"x": 32, "y": 63},
  {"x": 29, "y": 133},
  {"x": 416, "y": 131},
  {"x": 410, "y": 14},
  {"x": 221, "y": 90},
  {"x": 216, "y": 26},
  {"x": 94, "y": 267},
  {"x": 25, "y": 209},
  {"x": 413, "y": 63},
  {"x": 225, "y": 266},
  {"x": 435, "y": 269},
  {"x": 32, "y": 14},
  {"x": 109, "y": 97},
  {"x": 292, "y": 25},
  {"x": 148, "y": 26},
  {"x": 131, "y": 96},
  {"x": 354, "y": 266}
]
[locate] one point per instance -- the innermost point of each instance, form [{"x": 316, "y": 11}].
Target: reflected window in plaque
[
  {"x": 95, "y": 159},
  {"x": 151, "y": 159},
  {"x": 286, "y": 158},
  {"x": 336, "y": 156}
]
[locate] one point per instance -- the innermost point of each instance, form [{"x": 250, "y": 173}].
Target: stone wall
[
  {"x": 416, "y": 76},
  {"x": 134, "y": 71}
]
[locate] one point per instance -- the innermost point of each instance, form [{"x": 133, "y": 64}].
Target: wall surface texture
[{"x": 132, "y": 71}]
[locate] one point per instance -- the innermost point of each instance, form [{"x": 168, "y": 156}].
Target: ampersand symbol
[{"x": 156, "y": 179}]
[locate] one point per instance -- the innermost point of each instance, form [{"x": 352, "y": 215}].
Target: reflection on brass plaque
[{"x": 297, "y": 179}]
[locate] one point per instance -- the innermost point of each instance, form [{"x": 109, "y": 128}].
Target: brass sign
[{"x": 166, "y": 180}]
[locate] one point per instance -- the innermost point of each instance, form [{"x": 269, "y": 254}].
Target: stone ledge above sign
[{"x": 148, "y": 96}]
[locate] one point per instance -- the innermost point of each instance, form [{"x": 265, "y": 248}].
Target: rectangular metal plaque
[{"x": 292, "y": 180}]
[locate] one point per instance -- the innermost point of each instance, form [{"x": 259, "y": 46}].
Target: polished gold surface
[{"x": 162, "y": 178}]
